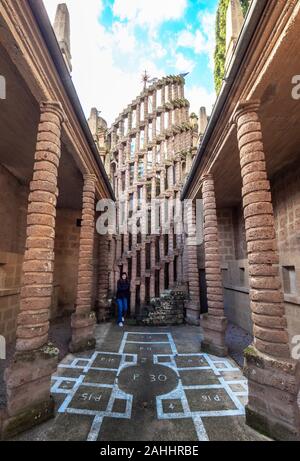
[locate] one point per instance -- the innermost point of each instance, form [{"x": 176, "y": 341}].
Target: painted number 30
[{"x": 159, "y": 378}]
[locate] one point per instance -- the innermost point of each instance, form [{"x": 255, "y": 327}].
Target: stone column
[
  {"x": 193, "y": 305},
  {"x": 162, "y": 278},
  {"x": 111, "y": 259},
  {"x": 28, "y": 378},
  {"x": 83, "y": 320},
  {"x": 274, "y": 378},
  {"x": 133, "y": 278},
  {"x": 171, "y": 273},
  {"x": 143, "y": 268},
  {"x": 179, "y": 270},
  {"x": 103, "y": 279},
  {"x": 214, "y": 323}
]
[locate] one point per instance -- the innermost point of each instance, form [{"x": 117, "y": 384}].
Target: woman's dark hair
[{"x": 124, "y": 273}]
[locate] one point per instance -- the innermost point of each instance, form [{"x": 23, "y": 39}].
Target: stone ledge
[
  {"x": 9, "y": 292},
  {"x": 237, "y": 288}
]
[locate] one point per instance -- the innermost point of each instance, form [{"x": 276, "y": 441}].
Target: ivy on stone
[{"x": 220, "y": 51}]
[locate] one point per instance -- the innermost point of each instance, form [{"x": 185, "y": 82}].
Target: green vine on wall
[{"x": 220, "y": 52}]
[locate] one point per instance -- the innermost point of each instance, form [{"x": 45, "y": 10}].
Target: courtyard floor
[{"x": 147, "y": 384}]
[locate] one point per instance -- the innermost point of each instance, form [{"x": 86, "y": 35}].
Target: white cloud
[
  {"x": 198, "y": 97},
  {"x": 203, "y": 40},
  {"x": 150, "y": 13},
  {"x": 99, "y": 81},
  {"x": 108, "y": 64},
  {"x": 182, "y": 64}
]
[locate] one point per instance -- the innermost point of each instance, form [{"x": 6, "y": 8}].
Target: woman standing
[{"x": 123, "y": 290}]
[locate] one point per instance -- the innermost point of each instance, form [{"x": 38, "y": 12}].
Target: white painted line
[
  {"x": 67, "y": 401},
  {"x": 200, "y": 429},
  {"x": 95, "y": 429},
  {"x": 173, "y": 346}
]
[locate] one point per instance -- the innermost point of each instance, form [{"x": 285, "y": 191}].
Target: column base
[
  {"x": 28, "y": 382},
  {"x": 273, "y": 389},
  {"x": 83, "y": 332},
  {"x": 192, "y": 316},
  {"x": 33, "y": 416},
  {"x": 192, "y": 321},
  {"x": 214, "y": 331}
]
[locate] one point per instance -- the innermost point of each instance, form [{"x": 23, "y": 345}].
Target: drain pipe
[{"x": 251, "y": 22}]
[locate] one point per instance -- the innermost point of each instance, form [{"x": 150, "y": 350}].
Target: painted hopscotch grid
[
  {"x": 231, "y": 389},
  {"x": 72, "y": 386}
]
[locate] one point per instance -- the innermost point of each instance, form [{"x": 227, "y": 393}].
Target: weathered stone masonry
[
  {"x": 28, "y": 378},
  {"x": 214, "y": 323},
  {"x": 83, "y": 320},
  {"x": 273, "y": 377},
  {"x": 153, "y": 143},
  {"x": 191, "y": 266}
]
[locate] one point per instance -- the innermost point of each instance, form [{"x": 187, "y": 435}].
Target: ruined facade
[{"x": 149, "y": 151}]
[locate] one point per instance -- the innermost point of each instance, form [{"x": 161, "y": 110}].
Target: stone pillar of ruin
[
  {"x": 143, "y": 268},
  {"x": 83, "y": 320},
  {"x": 28, "y": 378},
  {"x": 103, "y": 279},
  {"x": 214, "y": 323},
  {"x": 274, "y": 377},
  {"x": 133, "y": 278},
  {"x": 110, "y": 263},
  {"x": 162, "y": 278},
  {"x": 193, "y": 304},
  {"x": 171, "y": 258}
]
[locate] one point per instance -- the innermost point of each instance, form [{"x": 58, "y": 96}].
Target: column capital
[
  {"x": 54, "y": 107},
  {"x": 89, "y": 177},
  {"x": 244, "y": 107},
  {"x": 206, "y": 177}
]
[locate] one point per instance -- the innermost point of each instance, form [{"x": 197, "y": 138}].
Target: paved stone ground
[{"x": 149, "y": 384}]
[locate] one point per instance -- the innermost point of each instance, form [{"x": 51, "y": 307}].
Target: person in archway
[{"x": 123, "y": 290}]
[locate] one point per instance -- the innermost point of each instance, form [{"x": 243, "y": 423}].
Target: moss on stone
[
  {"x": 48, "y": 351},
  {"x": 250, "y": 350},
  {"x": 220, "y": 51}
]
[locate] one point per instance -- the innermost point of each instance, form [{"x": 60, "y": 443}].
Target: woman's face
[{"x": 124, "y": 277}]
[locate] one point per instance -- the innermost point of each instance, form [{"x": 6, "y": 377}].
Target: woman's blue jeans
[{"x": 122, "y": 308}]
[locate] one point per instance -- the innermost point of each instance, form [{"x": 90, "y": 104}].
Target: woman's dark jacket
[{"x": 123, "y": 289}]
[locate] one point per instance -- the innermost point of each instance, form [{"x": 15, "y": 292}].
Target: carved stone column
[
  {"x": 273, "y": 376},
  {"x": 103, "y": 279},
  {"x": 28, "y": 379},
  {"x": 83, "y": 320},
  {"x": 193, "y": 305},
  {"x": 214, "y": 323}
]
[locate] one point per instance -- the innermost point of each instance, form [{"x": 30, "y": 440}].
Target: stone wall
[
  {"x": 286, "y": 201},
  {"x": 226, "y": 235},
  {"x": 13, "y": 207},
  {"x": 153, "y": 143},
  {"x": 169, "y": 309},
  {"x": 66, "y": 260}
]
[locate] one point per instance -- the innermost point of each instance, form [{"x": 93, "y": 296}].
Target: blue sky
[{"x": 114, "y": 41}]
